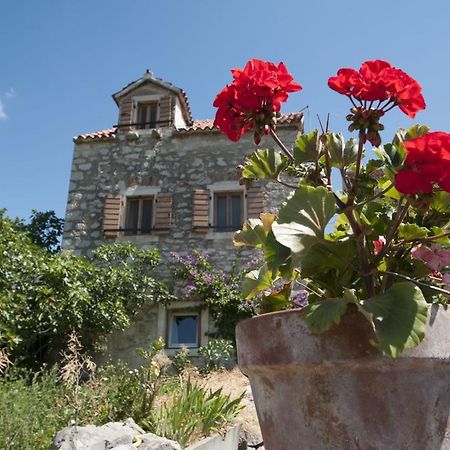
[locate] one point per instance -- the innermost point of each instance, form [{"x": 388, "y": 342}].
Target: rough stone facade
[{"x": 169, "y": 160}]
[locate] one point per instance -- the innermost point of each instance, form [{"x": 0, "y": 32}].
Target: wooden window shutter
[
  {"x": 255, "y": 202},
  {"x": 125, "y": 115},
  {"x": 111, "y": 215},
  {"x": 165, "y": 111},
  {"x": 200, "y": 210},
  {"x": 163, "y": 213}
]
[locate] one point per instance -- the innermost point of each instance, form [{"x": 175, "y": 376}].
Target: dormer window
[
  {"x": 146, "y": 112},
  {"x": 147, "y": 115}
]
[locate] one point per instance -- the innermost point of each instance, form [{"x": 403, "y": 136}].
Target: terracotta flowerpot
[{"x": 336, "y": 391}]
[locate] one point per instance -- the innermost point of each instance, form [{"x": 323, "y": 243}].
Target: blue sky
[{"x": 62, "y": 60}]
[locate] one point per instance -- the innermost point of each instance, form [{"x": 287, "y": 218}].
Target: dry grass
[
  {"x": 4, "y": 361},
  {"x": 75, "y": 361}
]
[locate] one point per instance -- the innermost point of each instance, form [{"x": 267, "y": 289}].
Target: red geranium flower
[
  {"x": 378, "y": 81},
  {"x": 427, "y": 163},
  {"x": 251, "y": 101}
]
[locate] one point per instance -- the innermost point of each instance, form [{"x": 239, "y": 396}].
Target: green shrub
[
  {"x": 44, "y": 296},
  {"x": 216, "y": 353},
  {"x": 180, "y": 361},
  {"x": 31, "y": 412}
]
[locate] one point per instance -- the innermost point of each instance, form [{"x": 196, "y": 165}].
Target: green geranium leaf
[
  {"x": 413, "y": 132},
  {"x": 392, "y": 192},
  {"x": 252, "y": 234},
  {"x": 264, "y": 164},
  {"x": 324, "y": 256},
  {"x": 276, "y": 301},
  {"x": 342, "y": 154},
  {"x": 373, "y": 164},
  {"x": 393, "y": 155},
  {"x": 441, "y": 202},
  {"x": 322, "y": 315},
  {"x": 306, "y": 147},
  {"x": 399, "y": 317},
  {"x": 277, "y": 256},
  {"x": 256, "y": 281},
  {"x": 412, "y": 231},
  {"x": 302, "y": 220}
]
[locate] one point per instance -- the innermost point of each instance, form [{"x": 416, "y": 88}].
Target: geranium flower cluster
[
  {"x": 253, "y": 99},
  {"x": 376, "y": 81},
  {"x": 427, "y": 163},
  {"x": 379, "y": 81}
]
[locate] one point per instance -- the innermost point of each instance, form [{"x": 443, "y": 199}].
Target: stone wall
[
  {"x": 172, "y": 161},
  {"x": 175, "y": 162}
]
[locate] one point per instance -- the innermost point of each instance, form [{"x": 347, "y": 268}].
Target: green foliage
[
  {"x": 373, "y": 245},
  {"x": 254, "y": 232},
  {"x": 399, "y": 317},
  {"x": 342, "y": 154},
  {"x": 45, "y": 230},
  {"x": 216, "y": 353},
  {"x": 264, "y": 164},
  {"x": 322, "y": 315},
  {"x": 194, "y": 412},
  {"x": 44, "y": 296},
  {"x": 307, "y": 147},
  {"x": 181, "y": 361},
  {"x": 303, "y": 218},
  {"x": 31, "y": 411}
]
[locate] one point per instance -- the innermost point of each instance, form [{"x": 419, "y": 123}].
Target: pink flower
[
  {"x": 378, "y": 245},
  {"x": 435, "y": 257}
]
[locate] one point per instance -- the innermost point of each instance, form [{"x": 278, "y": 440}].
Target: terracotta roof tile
[
  {"x": 102, "y": 134},
  {"x": 197, "y": 126}
]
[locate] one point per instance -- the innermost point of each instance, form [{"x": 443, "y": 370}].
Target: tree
[
  {"x": 45, "y": 296},
  {"x": 45, "y": 229}
]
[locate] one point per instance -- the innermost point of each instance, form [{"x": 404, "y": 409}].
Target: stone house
[{"x": 161, "y": 179}]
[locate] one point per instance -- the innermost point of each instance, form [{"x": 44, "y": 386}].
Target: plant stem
[
  {"x": 401, "y": 214},
  {"x": 352, "y": 193},
  {"x": 363, "y": 254},
  {"x": 420, "y": 283},
  {"x": 428, "y": 238},
  {"x": 284, "y": 149}
]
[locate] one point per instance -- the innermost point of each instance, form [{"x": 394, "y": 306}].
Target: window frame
[
  {"x": 229, "y": 210},
  {"x": 224, "y": 187},
  {"x": 171, "y": 314},
  {"x": 147, "y": 125},
  {"x": 141, "y": 199},
  {"x": 141, "y": 100}
]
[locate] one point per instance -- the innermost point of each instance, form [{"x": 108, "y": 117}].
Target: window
[
  {"x": 139, "y": 218},
  {"x": 147, "y": 115},
  {"x": 184, "y": 329},
  {"x": 228, "y": 211}
]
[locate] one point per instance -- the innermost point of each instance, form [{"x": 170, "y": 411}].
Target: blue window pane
[
  {"x": 221, "y": 212},
  {"x": 147, "y": 209},
  {"x": 133, "y": 216},
  {"x": 184, "y": 330},
  {"x": 236, "y": 221}
]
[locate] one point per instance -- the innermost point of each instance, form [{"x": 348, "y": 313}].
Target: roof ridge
[{"x": 197, "y": 125}]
